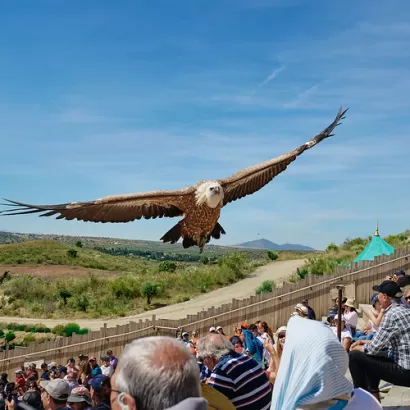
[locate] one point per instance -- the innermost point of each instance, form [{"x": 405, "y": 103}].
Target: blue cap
[
  {"x": 99, "y": 381},
  {"x": 62, "y": 369},
  {"x": 375, "y": 298}
]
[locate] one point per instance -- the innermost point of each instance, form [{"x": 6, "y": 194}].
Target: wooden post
[{"x": 339, "y": 311}]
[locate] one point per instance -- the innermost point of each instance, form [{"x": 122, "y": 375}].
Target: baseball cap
[
  {"x": 185, "y": 334},
  {"x": 103, "y": 358},
  {"x": 375, "y": 298},
  {"x": 79, "y": 394},
  {"x": 62, "y": 369},
  {"x": 52, "y": 364},
  {"x": 401, "y": 272},
  {"x": 99, "y": 381},
  {"x": 212, "y": 329},
  {"x": 58, "y": 389},
  {"x": 219, "y": 328},
  {"x": 389, "y": 288},
  {"x": 33, "y": 399}
]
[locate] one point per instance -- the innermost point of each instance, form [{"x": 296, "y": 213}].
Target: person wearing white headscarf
[{"x": 312, "y": 372}]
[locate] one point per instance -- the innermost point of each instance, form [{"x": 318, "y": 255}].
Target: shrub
[
  {"x": 72, "y": 253},
  {"x": 10, "y": 336},
  {"x": 40, "y": 328},
  {"x": 167, "y": 266},
  {"x": 205, "y": 260},
  {"x": 266, "y": 287},
  {"x": 79, "y": 244},
  {"x": 302, "y": 273},
  {"x": 83, "y": 331},
  {"x": 58, "y": 330},
  {"x": 128, "y": 287},
  {"x": 150, "y": 290},
  {"x": 81, "y": 302},
  {"x": 71, "y": 328},
  {"x": 272, "y": 255},
  {"x": 28, "y": 338}
]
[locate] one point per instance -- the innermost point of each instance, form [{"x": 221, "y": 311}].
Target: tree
[
  {"x": 167, "y": 266},
  {"x": 272, "y": 255},
  {"x": 150, "y": 290},
  {"x": 10, "y": 336},
  {"x": 65, "y": 294},
  {"x": 72, "y": 253},
  {"x": 81, "y": 302},
  {"x": 79, "y": 244},
  {"x": 332, "y": 247}
]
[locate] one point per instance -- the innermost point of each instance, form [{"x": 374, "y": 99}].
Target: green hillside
[
  {"x": 130, "y": 286},
  {"x": 55, "y": 253}
]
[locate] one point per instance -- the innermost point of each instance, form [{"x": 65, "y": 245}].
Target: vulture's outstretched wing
[
  {"x": 116, "y": 208},
  {"x": 252, "y": 179}
]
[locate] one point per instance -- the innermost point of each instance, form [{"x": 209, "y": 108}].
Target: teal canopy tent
[{"x": 376, "y": 247}]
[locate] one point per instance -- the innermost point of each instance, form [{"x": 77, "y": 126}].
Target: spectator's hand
[
  {"x": 10, "y": 404},
  {"x": 268, "y": 344}
]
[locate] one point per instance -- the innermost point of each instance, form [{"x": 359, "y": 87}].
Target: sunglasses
[
  {"x": 407, "y": 298},
  {"x": 281, "y": 336}
]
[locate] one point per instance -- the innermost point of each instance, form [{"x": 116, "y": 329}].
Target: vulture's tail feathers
[{"x": 173, "y": 234}]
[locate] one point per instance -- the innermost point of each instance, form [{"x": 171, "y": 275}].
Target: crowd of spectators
[{"x": 301, "y": 365}]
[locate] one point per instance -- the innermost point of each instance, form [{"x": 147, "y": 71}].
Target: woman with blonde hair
[{"x": 275, "y": 353}]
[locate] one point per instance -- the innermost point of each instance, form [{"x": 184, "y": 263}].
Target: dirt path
[{"x": 240, "y": 290}]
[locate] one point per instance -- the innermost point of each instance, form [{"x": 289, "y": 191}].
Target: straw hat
[
  {"x": 351, "y": 303},
  {"x": 302, "y": 309},
  {"x": 280, "y": 330}
]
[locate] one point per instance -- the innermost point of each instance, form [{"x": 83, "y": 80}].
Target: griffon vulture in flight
[{"x": 199, "y": 204}]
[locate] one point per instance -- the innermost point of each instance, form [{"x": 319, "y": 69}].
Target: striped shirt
[
  {"x": 242, "y": 380},
  {"x": 393, "y": 334}
]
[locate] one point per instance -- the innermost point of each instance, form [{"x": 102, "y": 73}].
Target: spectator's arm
[
  {"x": 378, "y": 320},
  {"x": 347, "y": 341},
  {"x": 382, "y": 338},
  {"x": 250, "y": 341}
]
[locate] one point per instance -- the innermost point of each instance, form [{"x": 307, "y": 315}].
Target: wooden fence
[{"x": 274, "y": 308}]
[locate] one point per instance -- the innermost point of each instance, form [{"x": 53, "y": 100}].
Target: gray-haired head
[
  {"x": 158, "y": 372},
  {"x": 214, "y": 345}
]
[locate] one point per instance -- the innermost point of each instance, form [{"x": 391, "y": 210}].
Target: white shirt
[
  {"x": 345, "y": 333},
  {"x": 351, "y": 318},
  {"x": 107, "y": 370}
]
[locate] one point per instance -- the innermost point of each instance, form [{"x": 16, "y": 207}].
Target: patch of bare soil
[{"x": 52, "y": 271}]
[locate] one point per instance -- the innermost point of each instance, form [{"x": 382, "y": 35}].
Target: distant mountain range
[{"x": 266, "y": 244}]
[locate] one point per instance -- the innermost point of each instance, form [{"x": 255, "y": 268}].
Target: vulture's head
[{"x": 210, "y": 193}]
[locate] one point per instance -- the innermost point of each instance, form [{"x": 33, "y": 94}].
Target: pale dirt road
[{"x": 240, "y": 290}]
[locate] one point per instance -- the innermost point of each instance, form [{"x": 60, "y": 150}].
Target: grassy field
[{"x": 49, "y": 279}]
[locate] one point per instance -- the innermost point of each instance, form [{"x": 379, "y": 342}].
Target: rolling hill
[{"x": 266, "y": 244}]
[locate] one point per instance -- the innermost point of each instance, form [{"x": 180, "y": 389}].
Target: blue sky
[{"x": 104, "y": 97}]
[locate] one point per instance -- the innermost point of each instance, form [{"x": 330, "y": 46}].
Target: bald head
[{"x": 158, "y": 372}]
